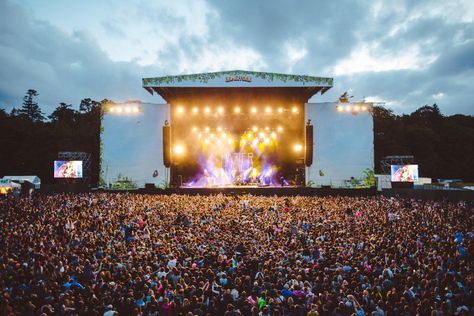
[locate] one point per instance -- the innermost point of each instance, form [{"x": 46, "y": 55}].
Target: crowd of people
[{"x": 132, "y": 254}]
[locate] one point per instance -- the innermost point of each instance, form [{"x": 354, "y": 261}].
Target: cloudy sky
[{"x": 405, "y": 53}]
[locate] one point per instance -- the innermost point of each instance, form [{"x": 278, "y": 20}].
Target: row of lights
[
  {"x": 179, "y": 149},
  {"x": 220, "y": 129},
  {"x": 124, "y": 109},
  {"x": 351, "y": 108},
  {"x": 237, "y": 110}
]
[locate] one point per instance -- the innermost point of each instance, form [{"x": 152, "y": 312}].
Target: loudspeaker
[
  {"x": 309, "y": 145},
  {"x": 167, "y": 145}
]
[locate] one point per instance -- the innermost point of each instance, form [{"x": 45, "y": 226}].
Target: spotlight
[
  {"x": 261, "y": 135},
  {"x": 112, "y": 109},
  {"x": 207, "y": 129},
  {"x": 294, "y": 109},
  {"x": 119, "y": 110},
  {"x": 268, "y": 110},
  {"x": 236, "y": 109},
  {"x": 255, "y": 142},
  {"x": 219, "y": 129},
  {"x": 280, "y": 129},
  {"x": 207, "y": 110},
  {"x": 206, "y": 141},
  {"x": 135, "y": 109},
  {"x": 212, "y": 136},
  {"x": 298, "y": 147},
  {"x": 243, "y": 141},
  {"x": 128, "y": 110},
  {"x": 220, "y": 110},
  {"x": 348, "y": 108},
  {"x": 230, "y": 141},
  {"x": 255, "y": 128},
  {"x": 195, "y": 110},
  {"x": 356, "y": 108},
  {"x": 178, "y": 149},
  {"x": 274, "y": 135},
  {"x": 267, "y": 128},
  {"x": 364, "y": 108},
  {"x": 180, "y": 109},
  {"x": 253, "y": 110},
  {"x": 266, "y": 141},
  {"x": 280, "y": 110},
  {"x": 195, "y": 129},
  {"x": 199, "y": 135},
  {"x": 339, "y": 108}
]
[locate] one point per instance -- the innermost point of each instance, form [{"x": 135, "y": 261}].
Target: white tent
[{"x": 34, "y": 180}]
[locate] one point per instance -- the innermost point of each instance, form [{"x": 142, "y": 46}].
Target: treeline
[{"x": 443, "y": 146}]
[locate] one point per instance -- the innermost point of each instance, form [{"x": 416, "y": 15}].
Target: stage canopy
[{"x": 172, "y": 88}]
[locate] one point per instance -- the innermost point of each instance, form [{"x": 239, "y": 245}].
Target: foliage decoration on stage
[{"x": 267, "y": 76}]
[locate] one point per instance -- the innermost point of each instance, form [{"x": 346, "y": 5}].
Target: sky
[{"x": 405, "y": 53}]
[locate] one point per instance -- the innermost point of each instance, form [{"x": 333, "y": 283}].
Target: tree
[
  {"x": 88, "y": 105},
  {"x": 30, "y": 109},
  {"x": 63, "y": 113}
]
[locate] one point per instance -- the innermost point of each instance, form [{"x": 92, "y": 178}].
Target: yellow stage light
[
  {"x": 274, "y": 135},
  {"x": 255, "y": 128},
  {"x": 119, "y": 110},
  {"x": 253, "y": 110},
  {"x": 268, "y": 110},
  {"x": 236, "y": 109},
  {"x": 243, "y": 141},
  {"x": 261, "y": 135},
  {"x": 219, "y": 129},
  {"x": 112, "y": 109},
  {"x": 135, "y": 109},
  {"x": 254, "y": 172},
  {"x": 128, "y": 110},
  {"x": 207, "y": 110},
  {"x": 199, "y": 135},
  {"x": 280, "y": 129},
  {"x": 356, "y": 108},
  {"x": 224, "y": 135},
  {"x": 255, "y": 142},
  {"x": 266, "y": 141},
  {"x": 180, "y": 109},
  {"x": 220, "y": 110},
  {"x": 178, "y": 149},
  {"x": 195, "y": 110},
  {"x": 207, "y": 129},
  {"x": 280, "y": 110},
  {"x": 206, "y": 141},
  {"x": 212, "y": 136},
  {"x": 298, "y": 147},
  {"x": 294, "y": 109},
  {"x": 364, "y": 108},
  {"x": 267, "y": 128},
  {"x": 195, "y": 129},
  {"x": 348, "y": 108},
  {"x": 339, "y": 108},
  {"x": 230, "y": 141}
]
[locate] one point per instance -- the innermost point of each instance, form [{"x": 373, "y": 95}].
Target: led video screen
[
  {"x": 404, "y": 173},
  {"x": 68, "y": 169}
]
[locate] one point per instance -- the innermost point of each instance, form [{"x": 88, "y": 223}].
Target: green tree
[{"x": 30, "y": 109}]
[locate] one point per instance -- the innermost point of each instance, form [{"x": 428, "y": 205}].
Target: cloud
[{"x": 404, "y": 53}]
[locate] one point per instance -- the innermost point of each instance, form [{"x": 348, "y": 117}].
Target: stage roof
[{"x": 169, "y": 87}]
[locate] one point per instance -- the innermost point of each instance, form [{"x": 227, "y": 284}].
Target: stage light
[
  {"x": 135, "y": 109},
  {"x": 268, "y": 110},
  {"x": 253, "y": 110},
  {"x": 274, "y": 135},
  {"x": 348, "y": 108},
  {"x": 294, "y": 109},
  {"x": 195, "y": 129},
  {"x": 212, "y": 136},
  {"x": 364, "y": 108},
  {"x": 119, "y": 110},
  {"x": 255, "y": 128},
  {"x": 339, "y": 108},
  {"x": 218, "y": 141},
  {"x": 280, "y": 110},
  {"x": 280, "y": 129},
  {"x": 230, "y": 141},
  {"x": 236, "y": 109},
  {"x": 207, "y": 129},
  {"x": 199, "y": 135},
  {"x": 266, "y": 141},
  {"x": 243, "y": 141},
  {"x": 112, "y": 109},
  {"x": 267, "y": 128},
  {"x": 254, "y": 172},
  {"x": 207, "y": 110},
  {"x": 298, "y": 147},
  {"x": 180, "y": 109},
  {"x": 224, "y": 135},
  {"x": 220, "y": 110},
  {"x": 178, "y": 149},
  {"x": 195, "y": 110},
  {"x": 255, "y": 142},
  {"x": 206, "y": 141},
  {"x": 261, "y": 135},
  {"x": 356, "y": 108},
  {"x": 128, "y": 110}
]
